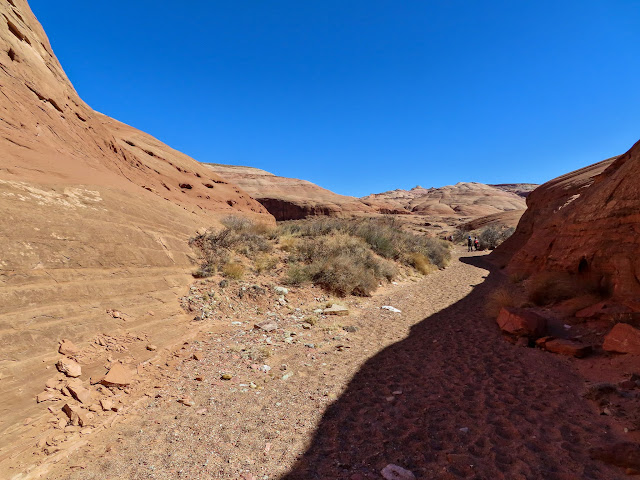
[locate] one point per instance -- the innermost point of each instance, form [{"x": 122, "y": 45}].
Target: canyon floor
[{"x": 434, "y": 389}]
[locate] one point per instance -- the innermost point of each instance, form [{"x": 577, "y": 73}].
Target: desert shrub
[
  {"x": 548, "y": 288},
  {"x": 492, "y": 236},
  {"x": 500, "y": 298},
  {"x": 240, "y": 236},
  {"x": 233, "y": 270},
  {"x": 265, "y": 263},
  {"x": 297, "y": 275},
  {"x": 421, "y": 263}
]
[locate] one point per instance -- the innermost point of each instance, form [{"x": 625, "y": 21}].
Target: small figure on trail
[
  {"x": 469, "y": 244},
  {"x": 476, "y": 243}
]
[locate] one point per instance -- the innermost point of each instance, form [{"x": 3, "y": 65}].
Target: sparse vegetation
[
  {"x": 500, "y": 298},
  {"x": 344, "y": 257},
  {"x": 548, "y": 288}
]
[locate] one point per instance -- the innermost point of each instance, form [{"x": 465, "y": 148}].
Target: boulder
[
  {"x": 521, "y": 322},
  {"x": 336, "y": 310},
  {"x": 622, "y": 338},
  {"x": 118, "y": 376},
  {"x": 69, "y": 367},
  {"x": 570, "y": 348}
]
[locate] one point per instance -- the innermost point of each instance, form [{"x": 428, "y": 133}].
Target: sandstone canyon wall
[
  {"x": 94, "y": 215},
  {"x": 585, "y": 221}
]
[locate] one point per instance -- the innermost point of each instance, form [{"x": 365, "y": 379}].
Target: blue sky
[{"x": 364, "y": 96}]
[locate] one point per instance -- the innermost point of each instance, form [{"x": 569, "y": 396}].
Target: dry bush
[
  {"x": 233, "y": 270},
  {"x": 421, "y": 263},
  {"x": 548, "y": 288},
  {"x": 287, "y": 242},
  {"x": 297, "y": 275},
  {"x": 500, "y": 298},
  {"x": 265, "y": 263}
]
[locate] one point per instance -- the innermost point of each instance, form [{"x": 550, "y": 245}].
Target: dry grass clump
[
  {"x": 265, "y": 263},
  {"x": 549, "y": 288},
  {"x": 421, "y": 263},
  {"x": 233, "y": 270}
]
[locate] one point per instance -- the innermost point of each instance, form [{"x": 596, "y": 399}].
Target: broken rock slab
[
  {"x": 266, "y": 326},
  {"x": 81, "y": 394},
  {"x": 117, "y": 376},
  {"x": 622, "y": 338},
  {"x": 522, "y": 322},
  {"x": 69, "y": 367},
  {"x": 67, "y": 348},
  {"x": 336, "y": 310},
  {"x": 570, "y": 348},
  {"x": 76, "y": 415}
]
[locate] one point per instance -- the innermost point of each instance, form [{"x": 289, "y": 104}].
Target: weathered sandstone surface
[
  {"x": 294, "y": 199},
  {"x": 585, "y": 222},
  {"x": 465, "y": 199},
  {"x": 95, "y": 215}
]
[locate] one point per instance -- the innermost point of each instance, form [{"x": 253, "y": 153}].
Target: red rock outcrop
[
  {"x": 95, "y": 215},
  {"x": 585, "y": 222},
  {"x": 521, "y": 322},
  {"x": 293, "y": 199}
]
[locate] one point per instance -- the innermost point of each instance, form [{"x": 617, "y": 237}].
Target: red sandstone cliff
[{"x": 584, "y": 221}]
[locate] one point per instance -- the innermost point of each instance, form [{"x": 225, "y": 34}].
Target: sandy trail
[{"x": 434, "y": 389}]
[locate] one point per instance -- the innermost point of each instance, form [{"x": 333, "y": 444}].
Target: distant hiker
[
  {"x": 469, "y": 244},
  {"x": 476, "y": 243}
]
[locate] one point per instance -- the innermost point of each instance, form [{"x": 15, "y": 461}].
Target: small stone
[
  {"x": 350, "y": 329},
  {"x": 287, "y": 376},
  {"x": 266, "y": 326},
  {"x": 81, "y": 394},
  {"x": 67, "y": 348},
  {"x": 394, "y": 472},
  {"x": 521, "y": 322},
  {"x": 281, "y": 290},
  {"x": 226, "y": 376},
  {"x": 223, "y": 283},
  {"x": 391, "y": 309},
  {"x": 622, "y": 338},
  {"x": 51, "y": 383},
  {"x": 464, "y": 429},
  {"x": 118, "y": 376},
  {"x": 152, "y": 348},
  {"x": 569, "y": 348},
  {"x": 76, "y": 415},
  {"x": 106, "y": 404},
  {"x": 199, "y": 378},
  {"x": 187, "y": 401},
  {"x": 69, "y": 367},
  {"x": 306, "y": 326},
  {"x": 336, "y": 310},
  {"x": 197, "y": 357}
]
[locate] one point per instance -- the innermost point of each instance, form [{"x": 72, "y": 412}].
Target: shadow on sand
[{"x": 455, "y": 400}]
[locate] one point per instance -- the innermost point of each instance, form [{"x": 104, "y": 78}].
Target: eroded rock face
[
  {"x": 293, "y": 199},
  {"x": 585, "y": 222},
  {"x": 94, "y": 215}
]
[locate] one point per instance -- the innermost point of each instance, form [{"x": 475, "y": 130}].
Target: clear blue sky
[{"x": 364, "y": 96}]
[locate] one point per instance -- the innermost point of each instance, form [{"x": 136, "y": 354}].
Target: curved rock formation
[
  {"x": 95, "y": 216},
  {"x": 584, "y": 221}
]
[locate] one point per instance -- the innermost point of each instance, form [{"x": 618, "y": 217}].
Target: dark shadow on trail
[{"x": 455, "y": 400}]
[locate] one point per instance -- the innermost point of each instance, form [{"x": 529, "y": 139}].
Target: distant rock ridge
[{"x": 294, "y": 199}]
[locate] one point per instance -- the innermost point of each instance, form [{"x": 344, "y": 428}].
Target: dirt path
[{"x": 434, "y": 389}]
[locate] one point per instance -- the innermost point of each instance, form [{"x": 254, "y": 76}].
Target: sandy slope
[{"x": 398, "y": 390}]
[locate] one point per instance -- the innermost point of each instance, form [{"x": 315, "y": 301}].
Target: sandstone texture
[
  {"x": 293, "y": 199},
  {"x": 95, "y": 215},
  {"x": 465, "y": 199}
]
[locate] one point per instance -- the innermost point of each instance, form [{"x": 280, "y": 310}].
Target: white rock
[
  {"x": 394, "y": 472},
  {"x": 281, "y": 290},
  {"x": 391, "y": 309}
]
